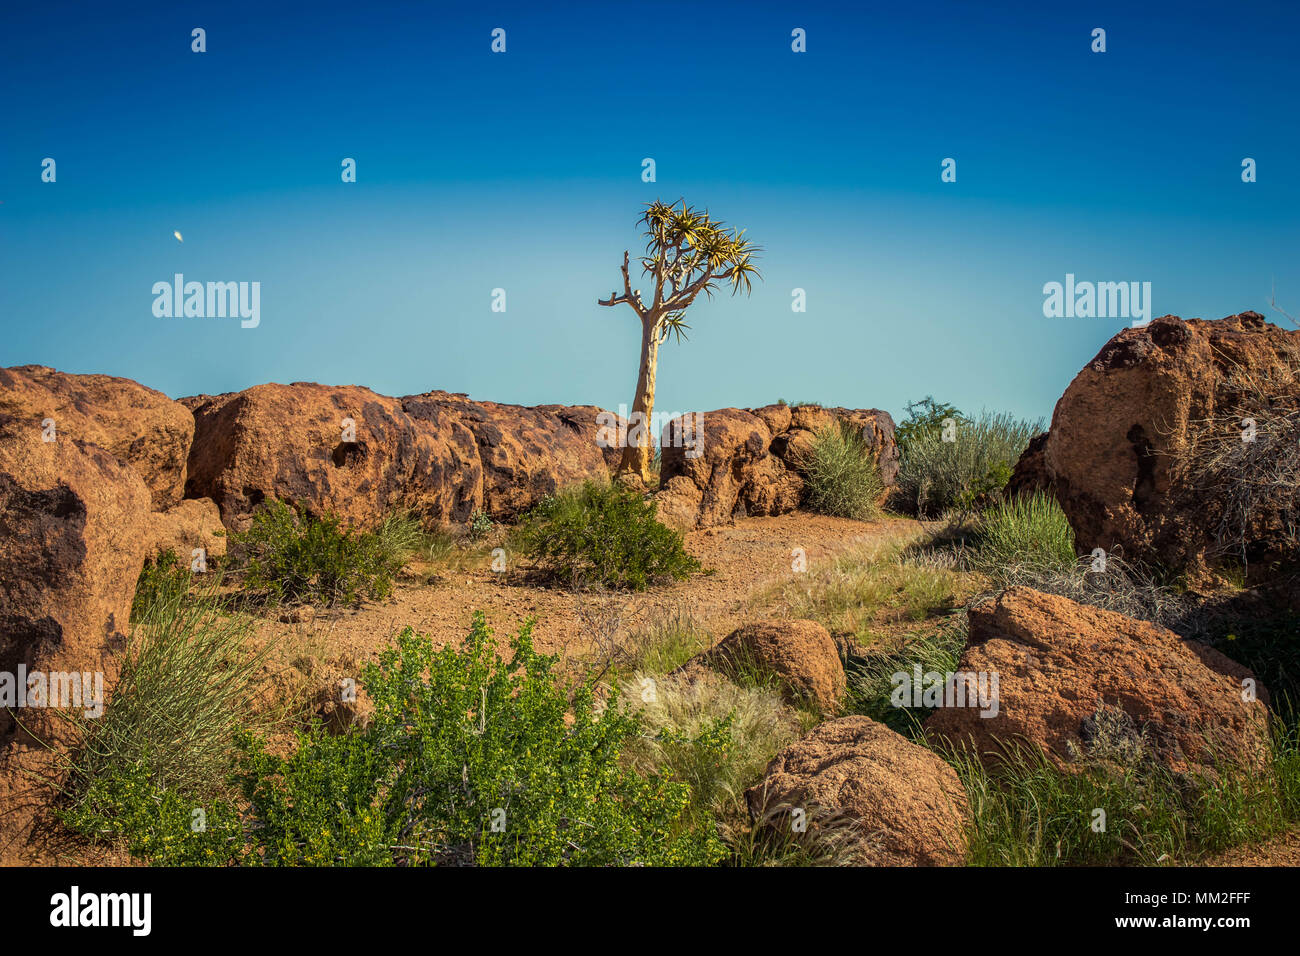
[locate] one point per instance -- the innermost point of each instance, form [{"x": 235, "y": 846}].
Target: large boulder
[
  {"x": 748, "y": 461},
  {"x": 345, "y": 450},
  {"x": 360, "y": 455},
  {"x": 721, "y": 461},
  {"x": 801, "y": 655},
  {"x": 1131, "y": 433},
  {"x": 903, "y": 804},
  {"x": 142, "y": 428},
  {"x": 1060, "y": 664},
  {"x": 73, "y": 537},
  {"x": 525, "y": 453}
]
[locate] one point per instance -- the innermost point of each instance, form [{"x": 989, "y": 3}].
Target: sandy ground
[
  {"x": 738, "y": 560},
  {"x": 1280, "y": 851}
]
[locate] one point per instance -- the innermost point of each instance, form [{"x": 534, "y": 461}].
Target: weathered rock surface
[
  {"x": 747, "y": 461},
  {"x": 1057, "y": 661},
  {"x": 193, "y": 523},
  {"x": 1115, "y": 452},
  {"x": 525, "y": 453},
  {"x": 142, "y": 428},
  {"x": 907, "y": 805},
  {"x": 439, "y": 455},
  {"x": 343, "y": 450},
  {"x": 73, "y": 537},
  {"x": 801, "y": 654}
]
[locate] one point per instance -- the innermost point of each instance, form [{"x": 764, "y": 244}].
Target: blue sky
[{"x": 522, "y": 171}]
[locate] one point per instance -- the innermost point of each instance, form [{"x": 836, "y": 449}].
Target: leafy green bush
[
  {"x": 968, "y": 472},
  {"x": 469, "y": 759},
  {"x": 164, "y": 826},
  {"x": 841, "y": 477},
  {"x": 1029, "y": 531},
  {"x": 296, "y": 557},
  {"x": 925, "y": 417},
  {"x": 602, "y": 534}
]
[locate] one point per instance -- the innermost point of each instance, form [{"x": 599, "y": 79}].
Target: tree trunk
[{"x": 638, "y": 455}]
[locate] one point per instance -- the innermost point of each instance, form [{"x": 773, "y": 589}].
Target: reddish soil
[{"x": 737, "y": 559}]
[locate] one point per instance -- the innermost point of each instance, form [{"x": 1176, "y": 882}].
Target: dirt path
[
  {"x": 737, "y": 559},
  {"x": 1283, "y": 850}
]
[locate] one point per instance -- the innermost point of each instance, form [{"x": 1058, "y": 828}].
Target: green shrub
[
  {"x": 480, "y": 526},
  {"x": 602, "y": 534},
  {"x": 469, "y": 759},
  {"x": 925, "y": 417},
  {"x": 297, "y": 557},
  {"x": 968, "y": 472},
  {"x": 841, "y": 477},
  {"x": 163, "y": 826},
  {"x": 1027, "y": 531}
]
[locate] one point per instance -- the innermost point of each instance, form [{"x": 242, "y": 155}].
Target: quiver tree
[{"x": 686, "y": 253}]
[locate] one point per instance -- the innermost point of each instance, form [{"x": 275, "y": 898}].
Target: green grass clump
[
  {"x": 668, "y": 642},
  {"x": 294, "y": 556},
  {"x": 602, "y": 535},
  {"x": 163, "y": 579},
  {"x": 173, "y": 718},
  {"x": 711, "y": 733},
  {"x": 840, "y": 474},
  {"x": 871, "y": 676},
  {"x": 400, "y": 537},
  {"x": 1028, "y": 812},
  {"x": 968, "y": 472},
  {"x": 1028, "y": 531},
  {"x": 862, "y": 590}
]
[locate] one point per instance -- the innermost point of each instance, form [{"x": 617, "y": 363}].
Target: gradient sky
[{"x": 523, "y": 171}]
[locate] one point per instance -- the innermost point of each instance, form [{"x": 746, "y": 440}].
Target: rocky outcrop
[
  {"x": 140, "y": 427},
  {"x": 747, "y": 461},
  {"x": 73, "y": 538},
  {"x": 800, "y": 654},
  {"x": 525, "y": 453},
  {"x": 360, "y": 455},
  {"x": 343, "y": 450},
  {"x": 1131, "y": 436},
  {"x": 1060, "y": 663},
  {"x": 903, "y": 805}
]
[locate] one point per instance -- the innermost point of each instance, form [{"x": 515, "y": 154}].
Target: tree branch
[
  {"x": 681, "y": 299},
  {"x": 631, "y": 298}
]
